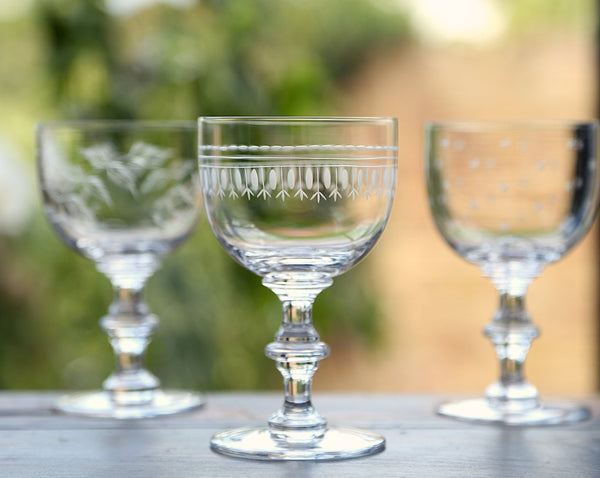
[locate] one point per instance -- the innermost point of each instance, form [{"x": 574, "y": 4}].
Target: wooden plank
[{"x": 36, "y": 442}]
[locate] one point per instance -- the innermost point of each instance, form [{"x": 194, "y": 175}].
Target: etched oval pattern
[{"x": 303, "y": 182}]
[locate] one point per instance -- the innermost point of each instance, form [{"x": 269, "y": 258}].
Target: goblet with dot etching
[
  {"x": 512, "y": 198},
  {"x": 297, "y": 201},
  {"x": 123, "y": 194}
]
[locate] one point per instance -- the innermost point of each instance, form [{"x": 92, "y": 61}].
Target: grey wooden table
[{"x": 35, "y": 442}]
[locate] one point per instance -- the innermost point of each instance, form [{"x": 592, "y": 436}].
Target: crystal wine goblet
[
  {"x": 512, "y": 197},
  {"x": 123, "y": 194},
  {"x": 297, "y": 201}
]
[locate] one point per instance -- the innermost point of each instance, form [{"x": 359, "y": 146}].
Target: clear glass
[
  {"x": 512, "y": 198},
  {"x": 122, "y": 194},
  {"x": 297, "y": 201}
]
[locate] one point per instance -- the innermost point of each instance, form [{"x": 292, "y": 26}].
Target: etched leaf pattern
[
  {"x": 147, "y": 172},
  {"x": 144, "y": 156},
  {"x": 105, "y": 158},
  {"x": 156, "y": 179}
]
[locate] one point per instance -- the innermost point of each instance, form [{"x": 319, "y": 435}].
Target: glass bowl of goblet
[
  {"x": 297, "y": 201},
  {"x": 512, "y": 198},
  {"x": 123, "y": 194}
]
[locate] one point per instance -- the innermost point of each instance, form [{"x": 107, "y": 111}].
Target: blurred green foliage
[
  {"x": 219, "y": 57},
  {"x": 225, "y": 57}
]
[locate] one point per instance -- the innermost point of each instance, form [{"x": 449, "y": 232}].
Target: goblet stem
[
  {"x": 129, "y": 325},
  {"x": 511, "y": 331},
  {"x": 512, "y": 400},
  {"x": 297, "y": 431},
  {"x": 130, "y": 391},
  {"x": 297, "y": 350}
]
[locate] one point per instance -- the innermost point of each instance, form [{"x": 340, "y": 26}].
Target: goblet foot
[
  {"x": 485, "y": 411},
  {"x": 259, "y": 444},
  {"x": 99, "y": 404}
]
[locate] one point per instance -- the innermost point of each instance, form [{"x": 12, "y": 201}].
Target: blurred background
[{"x": 407, "y": 319}]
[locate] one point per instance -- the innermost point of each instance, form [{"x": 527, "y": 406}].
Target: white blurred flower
[
  {"x": 16, "y": 191},
  {"x": 131, "y": 7},
  {"x": 465, "y": 21},
  {"x": 11, "y": 10}
]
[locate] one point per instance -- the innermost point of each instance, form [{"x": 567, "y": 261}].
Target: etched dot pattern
[{"x": 510, "y": 176}]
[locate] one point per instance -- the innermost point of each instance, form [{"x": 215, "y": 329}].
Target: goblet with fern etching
[{"x": 123, "y": 194}]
